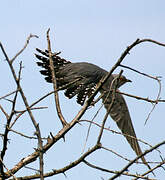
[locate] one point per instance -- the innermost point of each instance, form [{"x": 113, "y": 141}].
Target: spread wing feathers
[
  {"x": 120, "y": 114},
  {"x": 82, "y": 88},
  {"x": 84, "y": 92},
  {"x": 57, "y": 60},
  {"x": 58, "y": 63}
]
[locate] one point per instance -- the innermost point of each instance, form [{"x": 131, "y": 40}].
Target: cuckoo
[{"x": 89, "y": 76}]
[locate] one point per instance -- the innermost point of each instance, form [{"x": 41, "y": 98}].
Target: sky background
[{"x": 97, "y": 32}]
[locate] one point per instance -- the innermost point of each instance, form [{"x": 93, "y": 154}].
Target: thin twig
[
  {"x": 21, "y": 113},
  {"x": 31, "y": 169},
  {"x": 23, "y": 135},
  {"x": 157, "y": 98},
  {"x": 114, "y": 172},
  {"x": 141, "y": 98},
  {"x": 116, "y": 132},
  {"x": 156, "y": 78},
  {"x": 42, "y": 98},
  {"x": 110, "y": 106},
  {"x": 149, "y": 76},
  {"x": 144, "y": 74},
  {"x": 4, "y": 112},
  {"x": 63, "y": 121},
  {"x": 135, "y": 160},
  {"x": 52, "y": 92},
  {"x": 26, "y": 44},
  {"x": 7, "y": 169},
  {"x": 90, "y": 125},
  {"x": 8, "y": 94},
  {"x": 152, "y": 41},
  {"x": 159, "y": 165}
]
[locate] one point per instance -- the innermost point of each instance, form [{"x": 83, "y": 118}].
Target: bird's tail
[{"x": 120, "y": 114}]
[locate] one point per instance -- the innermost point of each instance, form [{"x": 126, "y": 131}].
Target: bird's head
[{"x": 122, "y": 80}]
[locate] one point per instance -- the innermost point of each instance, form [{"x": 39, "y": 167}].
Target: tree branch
[{"x": 61, "y": 117}]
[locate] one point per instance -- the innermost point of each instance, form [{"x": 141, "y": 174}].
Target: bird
[{"x": 88, "y": 76}]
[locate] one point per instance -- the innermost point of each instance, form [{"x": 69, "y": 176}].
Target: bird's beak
[{"x": 128, "y": 80}]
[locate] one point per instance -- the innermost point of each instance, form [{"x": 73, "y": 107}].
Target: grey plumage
[{"x": 90, "y": 75}]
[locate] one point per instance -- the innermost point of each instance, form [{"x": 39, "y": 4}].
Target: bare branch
[
  {"x": 116, "y": 132},
  {"x": 4, "y": 112},
  {"x": 157, "y": 98},
  {"x": 141, "y": 98},
  {"x": 159, "y": 165},
  {"x": 63, "y": 121},
  {"x": 110, "y": 106},
  {"x": 23, "y": 135},
  {"x": 144, "y": 74},
  {"x": 26, "y": 104},
  {"x": 8, "y": 94},
  {"x": 9, "y": 118},
  {"x": 152, "y": 41},
  {"x": 14, "y": 178},
  {"x": 66, "y": 168},
  {"x": 26, "y": 44},
  {"x": 138, "y": 157},
  {"x": 152, "y": 77},
  {"x": 115, "y": 172}
]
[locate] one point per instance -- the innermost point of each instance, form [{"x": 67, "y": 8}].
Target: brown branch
[
  {"x": 123, "y": 55},
  {"x": 21, "y": 113},
  {"x": 144, "y": 74},
  {"x": 8, "y": 94},
  {"x": 26, "y": 44},
  {"x": 156, "y": 78},
  {"x": 135, "y": 160},
  {"x": 14, "y": 178},
  {"x": 9, "y": 118},
  {"x": 42, "y": 98},
  {"x": 58, "y": 89},
  {"x": 149, "y": 76},
  {"x": 141, "y": 98},
  {"x": 110, "y": 106},
  {"x": 157, "y": 98},
  {"x": 159, "y": 165},
  {"x": 90, "y": 125},
  {"x": 116, "y": 132},
  {"x": 51, "y": 141},
  {"x": 23, "y": 135},
  {"x": 35, "y": 108},
  {"x": 114, "y": 172},
  {"x": 117, "y": 154},
  {"x": 4, "y": 112},
  {"x": 61, "y": 117},
  {"x": 66, "y": 168},
  {"x": 26, "y": 104}
]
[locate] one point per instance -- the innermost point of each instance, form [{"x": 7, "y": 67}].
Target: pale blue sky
[{"x": 94, "y": 31}]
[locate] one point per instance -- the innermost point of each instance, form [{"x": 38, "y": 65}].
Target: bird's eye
[{"x": 122, "y": 78}]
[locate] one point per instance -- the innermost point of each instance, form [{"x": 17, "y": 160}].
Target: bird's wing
[
  {"x": 67, "y": 72},
  {"x": 120, "y": 114}
]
